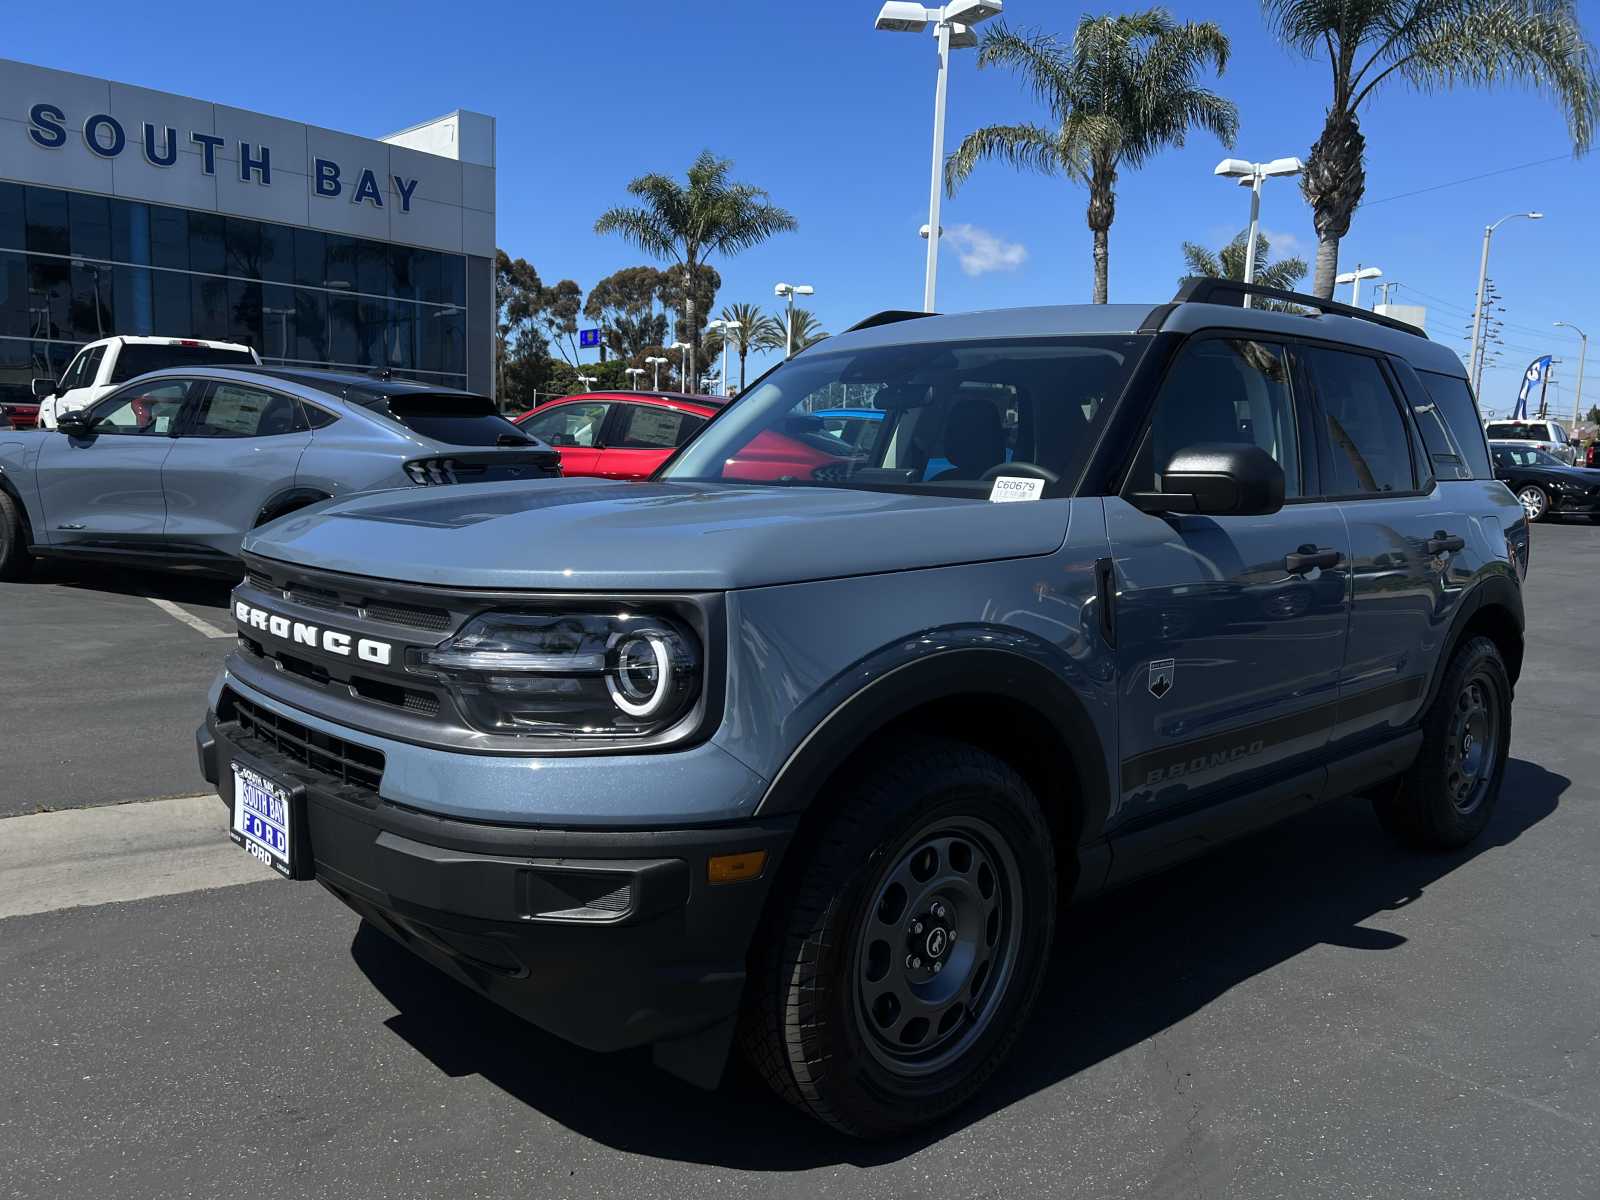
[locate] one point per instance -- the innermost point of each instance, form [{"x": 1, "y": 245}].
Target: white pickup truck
[{"x": 101, "y": 366}]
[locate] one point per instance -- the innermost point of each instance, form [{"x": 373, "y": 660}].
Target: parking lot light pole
[
  {"x": 588, "y": 381},
  {"x": 633, "y": 374},
  {"x": 722, "y": 328},
  {"x": 1475, "y": 360},
  {"x": 789, "y": 291},
  {"x": 1252, "y": 175},
  {"x": 1354, "y": 278},
  {"x": 655, "y": 360},
  {"x": 683, "y": 370},
  {"x": 952, "y": 29},
  {"x": 1583, "y": 353}
]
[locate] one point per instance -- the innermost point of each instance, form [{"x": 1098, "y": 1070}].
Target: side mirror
[
  {"x": 77, "y": 423},
  {"x": 1222, "y": 479},
  {"x": 43, "y": 389}
]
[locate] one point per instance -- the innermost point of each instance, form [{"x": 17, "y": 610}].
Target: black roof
[{"x": 353, "y": 385}]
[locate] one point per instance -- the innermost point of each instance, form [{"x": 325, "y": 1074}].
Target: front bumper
[{"x": 607, "y": 938}]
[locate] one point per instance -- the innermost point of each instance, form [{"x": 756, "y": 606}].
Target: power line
[{"x": 1469, "y": 179}]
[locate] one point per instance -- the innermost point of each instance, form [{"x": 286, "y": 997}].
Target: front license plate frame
[{"x": 267, "y": 819}]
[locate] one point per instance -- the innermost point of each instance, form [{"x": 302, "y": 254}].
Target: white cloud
[
  {"x": 1284, "y": 245},
  {"x": 981, "y": 251}
]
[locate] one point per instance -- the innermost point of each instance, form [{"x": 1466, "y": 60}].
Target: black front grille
[
  {"x": 341, "y": 765},
  {"x": 435, "y": 620},
  {"x": 355, "y": 600}
]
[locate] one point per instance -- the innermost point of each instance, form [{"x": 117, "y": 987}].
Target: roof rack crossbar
[{"x": 1199, "y": 289}]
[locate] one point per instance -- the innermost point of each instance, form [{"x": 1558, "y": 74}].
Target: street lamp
[
  {"x": 588, "y": 381},
  {"x": 1354, "y": 278},
  {"x": 1251, "y": 175},
  {"x": 789, "y": 291},
  {"x": 655, "y": 360},
  {"x": 952, "y": 28},
  {"x": 722, "y": 327},
  {"x": 1475, "y": 363},
  {"x": 683, "y": 371},
  {"x": 1583, "y": 353},
  {"x": 633, "y": 374}
]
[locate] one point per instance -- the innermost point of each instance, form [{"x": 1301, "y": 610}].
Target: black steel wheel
[
  {"x": 897, "y": 969},
  {"x": 1448, "y": 796}
]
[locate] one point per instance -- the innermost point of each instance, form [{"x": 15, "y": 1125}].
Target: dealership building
[{"x": 130, "y": 211}]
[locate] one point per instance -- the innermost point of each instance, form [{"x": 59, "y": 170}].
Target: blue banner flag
[{"x": 1535, "y": 373}]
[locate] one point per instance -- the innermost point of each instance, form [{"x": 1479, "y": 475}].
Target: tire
[
  {"x": 1448, "y": 796},
  {"x": 1535, "y": 502},
  {"x": 902, "y": 864},
  {"x": 15, "y": 561}
]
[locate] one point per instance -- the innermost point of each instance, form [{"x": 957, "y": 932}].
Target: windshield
[
  {"x": 1519, "y": 431},
  {"x": 938, "y": 418},
  {"x": 138, "y": 358}
]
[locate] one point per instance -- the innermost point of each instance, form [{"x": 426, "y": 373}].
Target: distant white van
[{"x": 101, "y": 366}]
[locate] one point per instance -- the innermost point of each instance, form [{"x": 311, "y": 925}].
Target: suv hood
[{"x": 593, "y": 534}]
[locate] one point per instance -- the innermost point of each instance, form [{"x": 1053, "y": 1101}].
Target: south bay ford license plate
[{"x": 263, "y": 815}]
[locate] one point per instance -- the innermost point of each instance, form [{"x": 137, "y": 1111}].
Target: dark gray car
[
  {"x": 175, "y": 468},
  {"x": 810, "y": 762}
]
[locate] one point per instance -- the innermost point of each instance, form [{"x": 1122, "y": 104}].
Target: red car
[
  {"x": 627, "y": 435},
  {"x": 20, "y": 416}
]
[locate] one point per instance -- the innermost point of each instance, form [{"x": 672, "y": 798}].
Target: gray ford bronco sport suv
[{"x": 809, "y": 763}]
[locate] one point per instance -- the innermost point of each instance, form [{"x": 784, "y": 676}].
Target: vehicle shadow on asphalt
[
  {"x": 180, "y": 587},
  {"x": 1126, "y": 967}
]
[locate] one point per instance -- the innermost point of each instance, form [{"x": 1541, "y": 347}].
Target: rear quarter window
[{"x": 1453, "y": 400}]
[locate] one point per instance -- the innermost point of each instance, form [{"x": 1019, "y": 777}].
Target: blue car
[{"x": 175, "y": 468}]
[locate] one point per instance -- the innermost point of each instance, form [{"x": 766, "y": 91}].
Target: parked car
[
  {"x": 18, "y": 415},
  {"x": 1543, "y": 484},
  {"x": 628, "y": 435},
  {"x": 174, "y": 468},
  {"x": 807, "y": 762},
  {"x": 100, "y": 366},
  {"x": 1550, "y": 436},
  {"x": 1591, "y": 454}
]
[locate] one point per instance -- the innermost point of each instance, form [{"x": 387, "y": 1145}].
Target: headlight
[{"x": 563, "y": 674}]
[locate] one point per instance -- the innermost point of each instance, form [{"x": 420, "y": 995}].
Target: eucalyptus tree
[
  {"x": 1122, "y": 90},
  {"x": 1430, "y": 46},
  {"x": 687, "y": 222}
]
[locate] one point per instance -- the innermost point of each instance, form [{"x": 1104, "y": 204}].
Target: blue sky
[{"x": 835, "y": 121}]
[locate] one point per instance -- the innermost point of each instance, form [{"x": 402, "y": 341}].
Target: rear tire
[
  {"x": 1448, "y": 796},
  {"x": 16, "y": 562},
  {"x": 891, "y": 980}
]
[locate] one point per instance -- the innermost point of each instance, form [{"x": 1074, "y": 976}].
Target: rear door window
[
  {"x": 645, "y": 427},
  {"x": 238, "y": 411},
  {"x": 1368, "y": 449},
  {"x": 140, "y": 358},
  {"x": 1452, "y": 401}
]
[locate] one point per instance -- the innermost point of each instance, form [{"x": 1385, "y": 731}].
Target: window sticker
[{"x": 1010, "y": 488}]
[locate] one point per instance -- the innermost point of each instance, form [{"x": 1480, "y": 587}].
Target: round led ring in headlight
[{"x": 641, "y": 678}]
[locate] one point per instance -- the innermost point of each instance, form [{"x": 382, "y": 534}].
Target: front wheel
[
  {"x": 15, "y": 561},
  {"x": 896, "y": 974},
  {"x": 1534, "y": 502},
  {"x": 1447, "y": 797}
]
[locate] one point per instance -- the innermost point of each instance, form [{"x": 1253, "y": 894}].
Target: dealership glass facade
[{"x": 75, "y": 267}]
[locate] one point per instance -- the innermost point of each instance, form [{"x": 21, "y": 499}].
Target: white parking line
[
  {"x": 188, "y": 618},
  {"x": 82, "y": 856}
]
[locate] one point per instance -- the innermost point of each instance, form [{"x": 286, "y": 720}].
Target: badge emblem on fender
[{"x": 1162, "y": 673}]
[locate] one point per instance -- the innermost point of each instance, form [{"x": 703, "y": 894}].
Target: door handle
[
  {"x": 1445, "y": 543},
  {"x": 1309, "y": 556}
]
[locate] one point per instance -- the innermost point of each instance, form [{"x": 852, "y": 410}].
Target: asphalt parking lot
[{"x": 1311, "y": 1013}]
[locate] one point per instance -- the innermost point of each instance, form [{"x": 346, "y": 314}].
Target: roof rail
[
  {"x": 887, "y": 317},
  {"x": 1198, "y": 289}
]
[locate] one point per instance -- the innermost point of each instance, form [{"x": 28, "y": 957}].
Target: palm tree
[
  {"x": 748, "y": 329},
  {"x": 1228, "y": 263},
  {"x": 1123, "y": 90},
  {"x": 1430, "y": 45},
  {"x": 709, "y": 216},
  {"x": 807, "y": 329}
]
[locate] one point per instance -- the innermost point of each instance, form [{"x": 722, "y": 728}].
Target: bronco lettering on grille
[{"x": 332, "y": 641}]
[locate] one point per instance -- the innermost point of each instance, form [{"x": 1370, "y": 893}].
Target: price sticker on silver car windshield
[{"x": 1015, "y": 487}]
